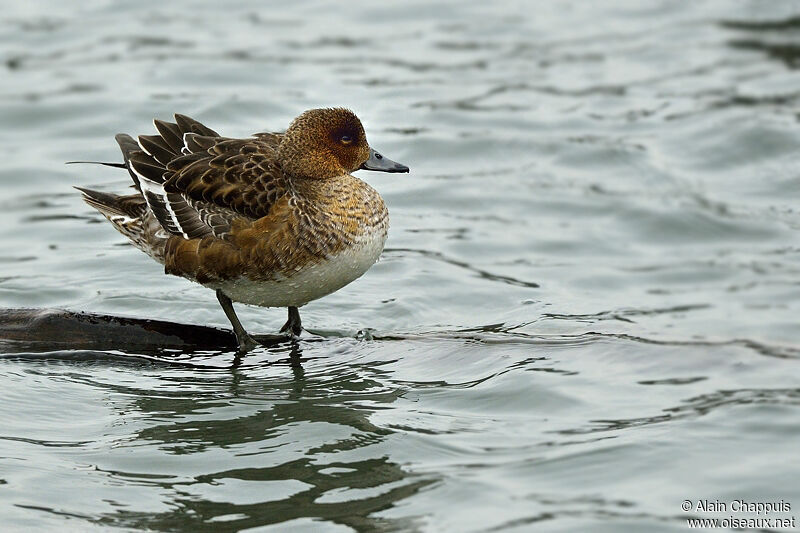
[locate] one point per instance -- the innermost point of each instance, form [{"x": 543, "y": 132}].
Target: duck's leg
[
  {"x": 293, "y": 324},
  {"x": 246, "y": 342}
]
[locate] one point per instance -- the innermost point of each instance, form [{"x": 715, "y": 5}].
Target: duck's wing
[{"x": 198, "y": 183}]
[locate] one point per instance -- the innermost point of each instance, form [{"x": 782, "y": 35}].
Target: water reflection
[
  {"x": 264, "y": 448},
  {"x": 197, "y": 514}
]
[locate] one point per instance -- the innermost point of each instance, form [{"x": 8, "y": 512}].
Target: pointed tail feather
[
  {"x": 104, "y": 163},
  {"x": 103, "y": 202},
  {"x": 113, "y": 205}
]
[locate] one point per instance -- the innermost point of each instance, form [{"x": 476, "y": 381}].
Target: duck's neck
[{"x": 324, "y": 189}]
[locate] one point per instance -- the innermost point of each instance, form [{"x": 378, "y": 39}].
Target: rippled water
[{"x": 587, "y": 311}]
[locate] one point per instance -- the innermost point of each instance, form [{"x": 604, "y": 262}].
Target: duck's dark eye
[{"x": 346, "y": 139}]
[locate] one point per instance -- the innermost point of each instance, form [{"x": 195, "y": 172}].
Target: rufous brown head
[{"x": 329, "y": 142}]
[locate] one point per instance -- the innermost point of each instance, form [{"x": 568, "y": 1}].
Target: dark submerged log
[{"x": 48, "y": 330}]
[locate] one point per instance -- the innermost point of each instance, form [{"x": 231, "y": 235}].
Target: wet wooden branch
[{"x": 46, "y": 330}]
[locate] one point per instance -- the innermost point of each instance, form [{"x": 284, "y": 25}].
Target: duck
[{"x": 271, "y": 220}]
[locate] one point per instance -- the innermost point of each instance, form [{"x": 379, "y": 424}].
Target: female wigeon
[{"x": 275, "y": 220}]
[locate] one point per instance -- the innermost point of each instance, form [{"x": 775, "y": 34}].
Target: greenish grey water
[{"x": 587, "y": 311}]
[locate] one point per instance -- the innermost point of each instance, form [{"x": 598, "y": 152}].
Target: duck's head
[{"x": 326, "y": 143}]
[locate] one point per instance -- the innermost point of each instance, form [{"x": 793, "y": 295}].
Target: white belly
[{"x": 310, "y": 282}]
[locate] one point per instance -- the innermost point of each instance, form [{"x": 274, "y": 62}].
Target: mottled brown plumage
[{"x": 274, "y": 219}]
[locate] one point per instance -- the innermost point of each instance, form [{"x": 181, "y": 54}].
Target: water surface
[{"x": 586, "y": 312}]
